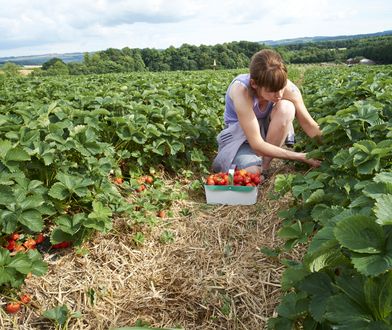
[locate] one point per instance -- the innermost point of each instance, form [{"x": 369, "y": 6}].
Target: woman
[{"x": 260, "y": 109}]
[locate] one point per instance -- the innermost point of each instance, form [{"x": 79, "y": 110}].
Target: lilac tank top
[{"x": 230, "y": 116}]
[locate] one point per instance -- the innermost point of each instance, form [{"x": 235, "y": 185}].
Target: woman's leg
[
  {"x": 281, "y": 123},
  {"x": 247, "y": 159}
]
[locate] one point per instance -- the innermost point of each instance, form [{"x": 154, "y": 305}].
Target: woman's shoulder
[
  {"x": 291, "y": 91},
  {"x": 239, "y": 88},
  {"x": 243, "y": 78}
]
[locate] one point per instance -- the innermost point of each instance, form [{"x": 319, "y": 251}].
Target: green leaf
[
  {"x": 7, "y": 275},
  {"x": 346, "y": 313},
  {"x": 383, "y": 177},
  {"x": 377, "y": 189},
  {"x": 280, "y": 323},
  {"x": 360, "y": 203},
  {"x": 365, "y": 146},
  {"x": 283, "y": 183},
  {"x": 352, "y": 286},
  {"x": 70, "y": 224},
  {"x": 367, "y": 112},
  {"x": 74, "y": 184},
  {"x": 4, "y": 257},
  {"x": 378, "y": 295},
  {"x": 9, "y": 221},
  {"x": 59, "y": 191},
  {"x": 360, "y": 234},
  {"x": 290, "y": 232},
  {"x": 329, "y": 255},
  {"x": 32, "y": 202},
  {"x": 378, "y": 325},
  {"x": 58, "y": 236},
  {"x": 270, "y": 252},
  {"x": 32, "y": 219},
  {"x": 97, "y": 224},
  {"x": 369, "y": 166},
  {"x": 383, "y": 210},
  {"x": 342, "y": 158},
  {"x": 292, "y": 276},
  {"x": 293, "y": 305},
  {"x": 315, "y": 197},
  {"x": 58, "y": 314},
  {"x": 5, "y": 146},
  {"x": 324, "y": 214},
  {"x": 100, "y": 211},
  {"x": 34, "y": 184},
  {"x": 323, "y": 236},
  {"x": 371, "y": 265},
  {"x": 17, "y": 154},
  {"x": 320, "y": 289},
  {"x": 6, "y": 195},
  {"x": 20, "y": 263},
  {"x": 39, "y": 267},
  {"x": 197, "y": 155}
]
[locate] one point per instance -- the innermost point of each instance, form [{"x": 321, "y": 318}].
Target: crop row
[
  {"x": 343, "y": 210},
  {"x": 72, "y": 149}
]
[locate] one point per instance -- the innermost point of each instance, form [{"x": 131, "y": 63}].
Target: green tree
[
  {"x": 59, "y": 68},
  {"x": 76, "y": 68},
  {"x": 51, "y": 62},
  {"x": 11, "y": 69}
]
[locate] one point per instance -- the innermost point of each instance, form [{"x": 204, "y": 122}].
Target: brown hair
[{"x": 268, "y": 70}]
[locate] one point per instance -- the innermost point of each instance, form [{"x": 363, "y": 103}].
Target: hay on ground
[{"x": 211, "y": 276}]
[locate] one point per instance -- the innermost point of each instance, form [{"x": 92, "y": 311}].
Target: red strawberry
[
  {"x": 12, "y": 308},
  {"x": 25, "y": 299}
]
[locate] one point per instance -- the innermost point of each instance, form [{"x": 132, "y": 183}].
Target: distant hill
[
  {"x": 303, "y": 40},
  {"x": 78, "y": 57},
  {"x": 40, "y": 59}
]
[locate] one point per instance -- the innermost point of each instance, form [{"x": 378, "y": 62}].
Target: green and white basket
[{"x": 231, "y": 195}]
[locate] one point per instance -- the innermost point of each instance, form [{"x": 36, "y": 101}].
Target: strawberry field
[
  {"x": 98, "y": 158},
  {"x": 343, "y": 209}
]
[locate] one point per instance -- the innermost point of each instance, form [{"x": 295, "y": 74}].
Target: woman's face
[
  {"x": 267, "y": 95},
  {"x": 270, "y": 96}
]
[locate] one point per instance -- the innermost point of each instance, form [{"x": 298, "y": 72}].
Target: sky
[{"x": 34, "y": 27}]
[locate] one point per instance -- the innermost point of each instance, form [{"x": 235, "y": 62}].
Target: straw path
[{"x": 212, "y": 276}]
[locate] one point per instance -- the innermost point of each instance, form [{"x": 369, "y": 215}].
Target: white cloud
[{"x": 41, "y": 26}]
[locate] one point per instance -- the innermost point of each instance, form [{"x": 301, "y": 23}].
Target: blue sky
[{"x": 30, "y": 27}]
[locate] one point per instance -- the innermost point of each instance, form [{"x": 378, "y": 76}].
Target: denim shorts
[{"x": 246, "y": 157}]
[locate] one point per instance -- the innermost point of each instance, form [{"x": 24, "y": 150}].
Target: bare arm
[
  {"x": 308, "y": 124},
  {"x": 243, "y": 104}
]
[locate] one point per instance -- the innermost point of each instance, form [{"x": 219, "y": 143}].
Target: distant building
[
  {"x": 366, "y": 61},
  {"x": 351, "y": 61},
  {"x": 359, "y": 60},
  {"x": 31, "y": 66}
]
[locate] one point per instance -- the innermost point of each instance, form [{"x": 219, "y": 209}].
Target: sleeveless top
[
  {"x": 230, "y": 116},
  {"x": 232, "y": 136}
]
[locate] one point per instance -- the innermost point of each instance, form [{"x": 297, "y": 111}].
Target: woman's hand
[{"x": 311, "y": 161}]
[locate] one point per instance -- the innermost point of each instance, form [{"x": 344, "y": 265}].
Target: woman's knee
[{"x": 284, "y": 110}]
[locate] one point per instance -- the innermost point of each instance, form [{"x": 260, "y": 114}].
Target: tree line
[
  {"x": 378, "y": 49},
  {"x": 187, "y": 57},
  {"x": 231, "y": 55}
]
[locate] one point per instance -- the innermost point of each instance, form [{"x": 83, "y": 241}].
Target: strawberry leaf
[
  {"x": 383, "y": 210},
  {"x": 360, "y": 234}
]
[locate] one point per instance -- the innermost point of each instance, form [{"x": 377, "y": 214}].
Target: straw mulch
[{"x": 211, "y": 276}]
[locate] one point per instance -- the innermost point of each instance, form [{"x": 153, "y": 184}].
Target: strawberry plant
[
  {"x": 343, "y": 210},
  {"x": 15, "y": 267}
]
